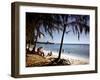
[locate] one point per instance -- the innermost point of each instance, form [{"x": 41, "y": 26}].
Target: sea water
[{"x": 79, "y": 50}]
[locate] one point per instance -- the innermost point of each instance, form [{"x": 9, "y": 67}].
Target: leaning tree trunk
[
  {"x": 61, "y": 42},
  {"x": 35, "y": 44}
]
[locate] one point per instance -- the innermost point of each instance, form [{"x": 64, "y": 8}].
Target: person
[
  {"x": 49, "y": 54},
  {"x": 62, "y": 50},
  {"x": 40, "y": 51}
]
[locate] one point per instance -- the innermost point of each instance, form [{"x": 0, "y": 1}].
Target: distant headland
[{"x": 45, "y": 42}]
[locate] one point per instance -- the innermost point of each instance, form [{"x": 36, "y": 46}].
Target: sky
[{"x": 69, "y": 38}]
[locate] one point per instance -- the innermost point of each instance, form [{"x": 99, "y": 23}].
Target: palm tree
[
  {"x": 37, "y": 23},
  {"x": 78, "y": 23}
]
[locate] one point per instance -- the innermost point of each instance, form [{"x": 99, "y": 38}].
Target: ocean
[{"x": 79, "y": 50}]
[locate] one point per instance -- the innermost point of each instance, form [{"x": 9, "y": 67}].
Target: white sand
[{"x": 73, "y": 59}]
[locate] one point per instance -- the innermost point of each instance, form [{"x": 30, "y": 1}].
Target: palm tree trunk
[
  {"x": 35, "y": 44},
  {"x": 36, "y": 38},
  {"x": 61, "y": 42}
]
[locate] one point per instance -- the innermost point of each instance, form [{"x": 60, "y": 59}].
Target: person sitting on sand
[
  {"x": 49, "y": 54},
  {"x": 40, "y": 51}
]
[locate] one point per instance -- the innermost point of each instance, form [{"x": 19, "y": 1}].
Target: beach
[
  {"x": 74, "y": 60},
  {"x": 50, "y": 60}
]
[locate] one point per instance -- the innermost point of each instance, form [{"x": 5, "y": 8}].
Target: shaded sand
[{"x": 35, "y": 60}]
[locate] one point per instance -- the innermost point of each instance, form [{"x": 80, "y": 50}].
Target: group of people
[{"x": 39, "y": 51}]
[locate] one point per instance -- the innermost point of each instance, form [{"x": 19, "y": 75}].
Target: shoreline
[{"x": 75, "y": 60}]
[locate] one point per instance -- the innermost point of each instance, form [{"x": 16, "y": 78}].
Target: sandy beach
[
  {"x": 74, "y": 60},
  {"x": 51, "y": 60}
]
